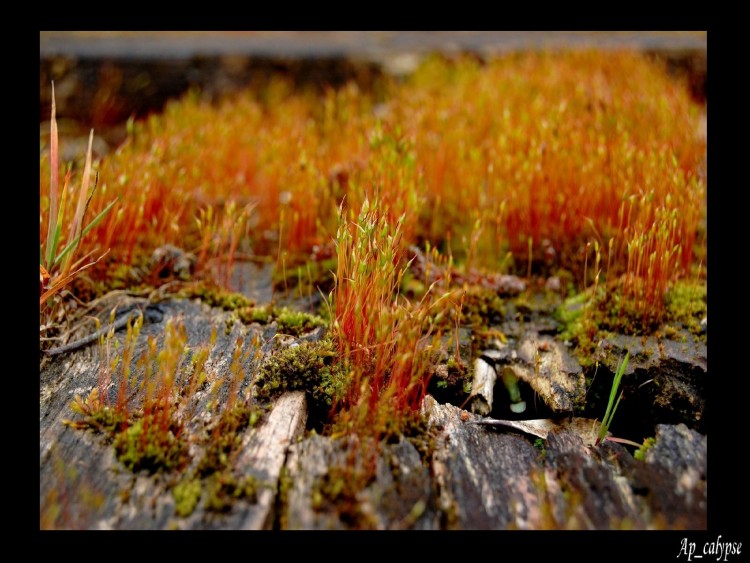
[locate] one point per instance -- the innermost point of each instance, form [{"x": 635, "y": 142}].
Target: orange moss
[{"x": 540, "y": 151}]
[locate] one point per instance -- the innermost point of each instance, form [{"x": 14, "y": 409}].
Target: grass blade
[
  {"x": 612, "y": 404},
  {"x": 75, "y": 228},
  {"x": 85, "y": 231},
  {"x": 53, "y": 180}
]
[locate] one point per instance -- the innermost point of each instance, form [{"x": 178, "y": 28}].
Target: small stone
[{"x": 553, "y": 284}]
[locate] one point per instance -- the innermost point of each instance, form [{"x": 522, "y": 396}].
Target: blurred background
[{"x": 103, "y": 78}]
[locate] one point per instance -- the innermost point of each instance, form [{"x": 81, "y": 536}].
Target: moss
[
  {"x": 451, "y": 381},
  {"x": 261, "y": 315},
  {"x": 246, "y": 311},
  {"x": 540, "y": 445},
  {"x": 338, "y": 490},
  {"x": 225, "y": 437},
  {"x": 224, "y": 489},
  {"x": 482, "y": 307},
  {"x": 285, "y": 485},
  {"x": 186, "y": 495},
  {"x": 303, "y": 367},
  {"x": 296, "y": 323},
  {"x": 640, "y": 453},
  {"x": 579, "y": 326},
  {"x": 215, "y": 296},
  {"x": 104, "y": 419},
  {"x": 147, "y": 445},
  {"x": 585, "y": 318},
  {"x": 686, "y": 304}
]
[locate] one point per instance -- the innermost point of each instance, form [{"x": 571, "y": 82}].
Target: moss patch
[
  {"x": 186, "y": 495},
  {"x": 245, "y": 310},
  {"x": 686, "y": 305},
  {"x": 307, "y": 366},
  {"x": 223, "y": 489},
  {"x": 149, "y": 444}
]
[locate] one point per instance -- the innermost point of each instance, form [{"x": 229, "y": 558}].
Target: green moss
[
  {"x": 338, "y": 490},
  {"x": 103, "y": 419},
  {"x": 261, "y": 315},
  {"x": 586, "y": 317},
  {"x": 186, "y": 495},
  {"x": 539, "y": 444},
  {"x": 215, "y": 296},
  {"x": 482, "y": 307},
  {"x": 579, "y": 326},
  {"x": 147, "y": 445},
  {"x": 686, "y": 304},
  {"x": 225, "y": 437},
  {"x": 640, "y": 453},
  {"x": 303, "y": 367},
  {"x": 296, "y": 323},
  {"x": 246, "y": 311},
  {"x": 224, "y": 489},
  {"x": 451, "y": 381}
]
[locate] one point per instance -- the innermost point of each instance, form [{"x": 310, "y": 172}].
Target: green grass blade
[
  {"x": 53, "y": 182},
  {"x": 611, "y": 404},
  {"x": 90, "y": 226}
]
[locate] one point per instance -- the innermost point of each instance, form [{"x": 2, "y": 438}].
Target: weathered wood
[
  {"x": 585, "y": 428},
  {"x": 483, "y": 387},
  {"x": 484, "y": 478},
  {"x": 471, "y": 476},
  {"x": 321, "y": 477},
  {"x": 549, "y": 369},
  {"x": 264, "y": 453},
  {"x": 665, "y": 379},
  {"x": 495, "y": 479}
]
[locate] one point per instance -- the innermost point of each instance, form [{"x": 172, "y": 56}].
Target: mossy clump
[
  {"x": 186, "y": 495},
  {"x": 588, "y": 316},
  {"x": 451, "y": 381},
  {"x": 146, "y": 444},
  {"x": 215, "y": 296},
  {"x": 96, "y": 415},
  {"x": 223, "y": 489},
  {"x": 225, "y": 437},
  {"x": 245, "y": 309},
  {"x": 579, "y": 326},
  {"x": 306, "y": 366},
  {"x": 686, "y": 305},
  {"x": 338, "y": 490},
  {"x": 482, "y": 307},
  {"x": 296, "y": 323}
]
